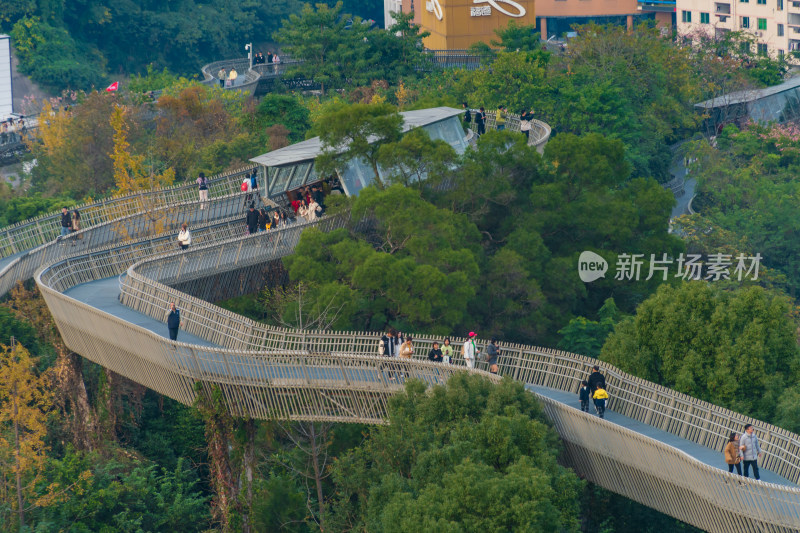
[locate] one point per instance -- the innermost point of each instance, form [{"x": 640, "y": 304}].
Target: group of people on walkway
[
  {"x": 258, "y": 220},
  {"x": 594, "y": 388},
  {"x": 394, "y": 344},
  {"x": 309, "y": 203},
  {"x": 272, "y": 58},
  {"x": 744, "y": 449},
  {"x": 12, "y": 131},
  {"x": 501, "y": 116}
]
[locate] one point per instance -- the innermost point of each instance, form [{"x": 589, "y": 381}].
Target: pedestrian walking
[
  {"x": 386, "y": 344},
  {"x": 733, "y": 456},
  {"x": 600, "y": 397},
  {"x": 583, "y": 394},
  {"x": 468, "y": 350},
  {"x": 184, "y": 237},
  {"x": 751, "y": 451},
  {"x": 596, "y": 379},
  {"x": 263, "y": 220},
  {"x": 447, "y": 351},
  {"x": 313, "y": 211},
  {"x": 232, "y": 75},
  {"x": 480, "y": 121},
  {"x": 492, "y": 353},
  {"x": 252, "y": 220},
  {"x": 76, "y": 226},
  {"x": 406, "y": 349},
  {"x": 66, "y": 222},
  {"x": 254, "y": 181},
  {"x": 500, "y": 118},
  {"x": 222, "y": 75},
  {"x": 173, "y": 321},
  {"x": 467, "y": 115},
  {"x": 525, "y": 124},
  {"x": 202, "y": 186},
  {"x": 435, "y": 354}
]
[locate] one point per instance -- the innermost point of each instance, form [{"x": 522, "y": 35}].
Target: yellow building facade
[{"x": 457, "y": 24}]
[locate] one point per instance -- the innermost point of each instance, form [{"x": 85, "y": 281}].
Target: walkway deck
[{"x": 104, "y": 295}]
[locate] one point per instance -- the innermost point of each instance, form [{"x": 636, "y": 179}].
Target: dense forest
[
  {"x": 493, "y": 251},
  {"x": 82, "y": 44}
]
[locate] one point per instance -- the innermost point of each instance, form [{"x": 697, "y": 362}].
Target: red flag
[{"x": 113, "y": 87}]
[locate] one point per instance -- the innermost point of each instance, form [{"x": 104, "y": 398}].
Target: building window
[
  {"x": 780, "y": 5},
  {"x": 704, "y": 18},
  {"x": 744, "y": 23},
  {"x": 762, "y": 49},
  {"x": 762, "y": 24},
  {"x": 780, "y": 54},
  {"x": 744, "y": 48},
  {"x": 686, "y": 16},
  {"x": 780, "y": 30},
  {"x": 744, "y": 1},
  {"x": 761, "y": 2}
]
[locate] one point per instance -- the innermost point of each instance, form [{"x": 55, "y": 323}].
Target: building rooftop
[
  {"x": 742, "y": 97},
  {"x": 311, "y": 148}
]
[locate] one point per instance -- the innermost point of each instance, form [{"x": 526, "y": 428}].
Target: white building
[
  {"x": 389, "y": 7},
  {"x": 6, "y": 95},
  {"x": 775, "y": 23}
]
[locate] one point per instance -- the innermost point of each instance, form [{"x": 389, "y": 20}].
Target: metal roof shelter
[
  {"x": 292, "y": 167},
  {"x": 772, "y": 104}
]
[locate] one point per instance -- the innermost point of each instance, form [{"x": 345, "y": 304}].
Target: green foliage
[
  {"x": 517, "y": 80},
  {"x": 514, "y": 38},
  {"x": 49, "y": 55},
  {"x": 353, "y": 131},
  {"x": 734, "y": 348},
  {"x": 746, "y": 186},
  {"x": 331, "y": 51},
  {"x": 586, "y": 337},
  {"x": 23, "y": 333},
  {"x": 20, "y": 208},
  {"x": 469, "y": 456},
  {"x": 283, "y": 109},
  {"x": 105, "y": 495},
  {"x": 415, "y": 268},
  {"x": 415, "y": 157},
  {"x": 152, "y": 80}
]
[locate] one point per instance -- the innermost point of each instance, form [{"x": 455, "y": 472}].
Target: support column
[
  {"x": 630, "y": 22},
  {"x": 543, "y": 28}
]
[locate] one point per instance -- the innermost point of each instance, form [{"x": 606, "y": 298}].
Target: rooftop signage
[{"x": 507, "y": 7}]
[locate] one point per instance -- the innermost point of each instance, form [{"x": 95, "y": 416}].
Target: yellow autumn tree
[
  {"x": 25, "y": 402},
  {"x": 132, "y": 176}
]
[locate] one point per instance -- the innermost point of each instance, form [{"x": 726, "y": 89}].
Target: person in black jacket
[
  {"x": 252, "y": 220},
  {"x": 584, "y": 395},
  {"x": 480, "y": 121},
  {"x": 263, "y": 218},
  {"x": 66, "y": 222},
  {"x": 173, "y": 321},
  {"x": 596, "y": 378},
  {"x": 435, "y": 354}
]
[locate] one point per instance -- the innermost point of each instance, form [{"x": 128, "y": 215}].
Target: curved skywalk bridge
[{"x": 655, "y": 447}]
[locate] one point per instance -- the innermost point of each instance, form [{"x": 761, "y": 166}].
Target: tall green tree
[
  {"x": 356, "y": 131},
  {"x": 735, "y": 348},
  {"x": 331, "y": 49},
  {"x": 469, "y": 456}
]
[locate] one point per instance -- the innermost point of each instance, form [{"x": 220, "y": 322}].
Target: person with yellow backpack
[{"x": 600, "y": 397}]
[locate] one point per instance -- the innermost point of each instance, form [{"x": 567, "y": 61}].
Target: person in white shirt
[
  {"x": 184, "y": 237},
  {"x": 469, "y": 350}
]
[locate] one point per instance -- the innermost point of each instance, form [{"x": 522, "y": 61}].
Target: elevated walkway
[
  {"x": 658, "y": 447},
  {"x": 109, "y": 295}
]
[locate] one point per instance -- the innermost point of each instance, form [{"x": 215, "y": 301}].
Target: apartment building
[{"x": 775, "y": 23}]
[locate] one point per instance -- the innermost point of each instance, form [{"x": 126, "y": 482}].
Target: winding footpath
[{"x": 109, "y": 294}]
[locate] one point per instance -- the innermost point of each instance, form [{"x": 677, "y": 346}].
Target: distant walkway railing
[{"x": 45, "y": 228}]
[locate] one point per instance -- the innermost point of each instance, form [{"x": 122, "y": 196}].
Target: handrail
[{"x": 45, "y": 228}]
